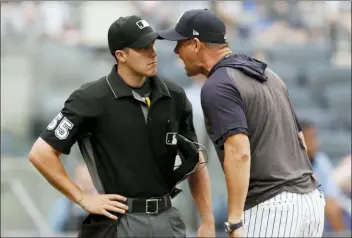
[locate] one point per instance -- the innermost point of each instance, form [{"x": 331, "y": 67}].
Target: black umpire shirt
[{"x": 123, "y": 145}]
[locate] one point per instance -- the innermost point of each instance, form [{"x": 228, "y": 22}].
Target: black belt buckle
[{"x": 149, "y": 203}]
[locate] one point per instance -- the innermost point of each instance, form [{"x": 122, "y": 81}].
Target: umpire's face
[
  {"x": 141, "y": 61},
  {"x": 189, "y": 52}
]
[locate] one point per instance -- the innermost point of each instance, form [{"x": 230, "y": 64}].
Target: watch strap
[{"x": 232, "y": 227}]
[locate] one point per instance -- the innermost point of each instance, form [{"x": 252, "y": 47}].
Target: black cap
[
  {"x": 199, "y": 23},
  {"x": 131, "y": 32}
]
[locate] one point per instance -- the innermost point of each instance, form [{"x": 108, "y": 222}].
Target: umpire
[{"x": 129, "y": 126}]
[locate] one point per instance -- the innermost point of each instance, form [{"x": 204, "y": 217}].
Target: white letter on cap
[{"x": 142, "y": 24}]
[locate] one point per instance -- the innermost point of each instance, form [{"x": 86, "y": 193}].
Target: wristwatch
[{"x": 232, "y": 227}]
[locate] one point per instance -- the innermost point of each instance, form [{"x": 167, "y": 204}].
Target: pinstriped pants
[{"x": 287, "y": 215}]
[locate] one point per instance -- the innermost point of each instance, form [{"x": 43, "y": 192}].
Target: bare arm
[
  {"x": 237, "y": 173},
  {"x": 224, "y": 106},
  {"x": 199, "y": 184},
  {"x": 199, "y": 181},
  {"x": 47, "y": 161},
  {"x": 58, "y": 138}
]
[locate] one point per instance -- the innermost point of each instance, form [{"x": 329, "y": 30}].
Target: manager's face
[{"x": 188, "y": 51}]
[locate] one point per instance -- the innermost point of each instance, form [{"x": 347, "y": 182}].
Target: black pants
[{"x": 165, "y": 224}]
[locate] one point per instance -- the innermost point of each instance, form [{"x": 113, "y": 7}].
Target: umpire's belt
[{"x": 149, "y": 206}]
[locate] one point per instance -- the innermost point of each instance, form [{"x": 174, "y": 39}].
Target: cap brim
[
  {"x": 171, "y": 35},
  {"x": 145, "y": 40}
]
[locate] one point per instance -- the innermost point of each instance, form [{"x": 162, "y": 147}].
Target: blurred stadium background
[{"x": 50, "y": 48}]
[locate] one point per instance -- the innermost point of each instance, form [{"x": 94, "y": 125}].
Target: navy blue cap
[{"x": 199, "y": 23}]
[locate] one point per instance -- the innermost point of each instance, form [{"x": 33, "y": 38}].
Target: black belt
[{"x": 149, "y": 206}]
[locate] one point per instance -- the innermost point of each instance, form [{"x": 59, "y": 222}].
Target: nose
[
  {"x": 153, "y": 52},
  {"x": 176, "y": 49}
]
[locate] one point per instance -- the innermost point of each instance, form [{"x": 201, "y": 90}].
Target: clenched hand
[{"x": 103, "y": 204}]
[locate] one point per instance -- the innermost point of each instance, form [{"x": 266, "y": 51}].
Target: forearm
[
  {"x": 237, "y": 172},
  {"x": 50, "y": 166},
  {"x": 199, "y": 184}
]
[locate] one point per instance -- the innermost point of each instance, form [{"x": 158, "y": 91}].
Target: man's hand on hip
[{"x": 103, "y": 204}]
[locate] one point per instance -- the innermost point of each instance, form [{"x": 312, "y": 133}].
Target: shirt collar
[{"x": 120, "y": 89}]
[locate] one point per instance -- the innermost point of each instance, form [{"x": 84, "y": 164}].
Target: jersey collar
[{"x": 120, "y": 89}]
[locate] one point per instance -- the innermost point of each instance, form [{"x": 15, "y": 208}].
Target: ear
[
  {"x": 197, "y": 44},
  {"x": 120, "y": 56}
]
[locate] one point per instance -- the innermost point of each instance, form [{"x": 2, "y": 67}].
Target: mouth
[{"x": 153, "y": 63}]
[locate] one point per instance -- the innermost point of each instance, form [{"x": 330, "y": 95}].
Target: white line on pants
[{"x": 287, "y": 215}]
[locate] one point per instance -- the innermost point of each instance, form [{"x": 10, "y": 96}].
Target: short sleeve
[
  {"x": 224, "y": 108},
  {"x": 63, "y": 131}
]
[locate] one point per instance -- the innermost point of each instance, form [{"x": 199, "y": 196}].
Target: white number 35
[{"x": 63, "y": 129}]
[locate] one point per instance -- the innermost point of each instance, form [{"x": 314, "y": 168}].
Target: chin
[
  {"x": 151, "y": 73},
  {"x": 191, "y": 74}
]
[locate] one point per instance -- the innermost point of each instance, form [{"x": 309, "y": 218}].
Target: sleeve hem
[
  {"x": 61, "y": 150},
  {"x": 220, "y": 140},
  {"x": 232, "y": 126}
]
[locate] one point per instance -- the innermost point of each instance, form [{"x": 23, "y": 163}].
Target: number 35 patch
[{"x": 62, "y": 129}]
